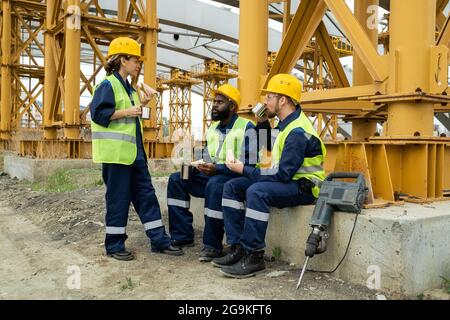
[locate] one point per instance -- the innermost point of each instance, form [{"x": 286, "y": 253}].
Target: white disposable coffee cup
[{"x": 145, "y": 113}]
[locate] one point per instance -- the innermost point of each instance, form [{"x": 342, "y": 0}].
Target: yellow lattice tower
[
  {"x": 180, "y": 84},
  {"x": 160, "y": 87},
  {"x": 214, "y": 74}
]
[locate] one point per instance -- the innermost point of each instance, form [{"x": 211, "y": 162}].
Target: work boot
[
  {"x": 248, "y": 266},
  {"x": 122, "y": 255},
  {"x": 183, "y": 243},
  {"x": 170, "y": 250},
  {"x": 207, "y": 254},
  {"x": 235, "y": 254}
]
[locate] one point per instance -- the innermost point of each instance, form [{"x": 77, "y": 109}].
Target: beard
[{"x": 221, "y": 115}]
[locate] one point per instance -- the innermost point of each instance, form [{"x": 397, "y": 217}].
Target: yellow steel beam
[
  {"x": 286, "y": 16},
  {"x": 122, "y": 7},
  {"x": 305, "y": 22},
  {"x": 359, "y": 39},
  {"x": 364, "y": 128},
  {"x": 329, "y": 53},
  {"x": 341, "y": 94},
  {"x": 440, "y": 17},
  {"x": 93, "y": 44},
  {"x": 6, "y": 85},
  {"x": 151, "y": 43},
  {"x": 412, "y": 37},
  {"x": 252, "y": 51},
  {"x": 444, "y": 35},
  {"x": 72, "y": 68}
]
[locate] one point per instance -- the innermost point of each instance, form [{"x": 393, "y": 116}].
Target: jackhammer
[{"x": 334, "y": 195}]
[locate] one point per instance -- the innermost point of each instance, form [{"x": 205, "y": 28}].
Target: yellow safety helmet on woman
[
  {"x": 285, "y": 84},
  {"x": 126, "y": 46},
  {"x": 230, "y": 92}
]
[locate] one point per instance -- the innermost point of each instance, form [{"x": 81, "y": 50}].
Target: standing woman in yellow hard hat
[
  {"x": 117, "y": 144},
  {"x": 297, "y": 169}
]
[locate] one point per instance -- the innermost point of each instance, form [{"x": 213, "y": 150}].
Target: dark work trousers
[
  {"x": 125, "y": 184},
  {"x": 180, "y": 218},
  {"x": 246, "y": 208}
]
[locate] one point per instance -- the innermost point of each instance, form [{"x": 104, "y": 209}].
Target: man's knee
[
  {"x": 229, "y": 189},
  {"x": 174, "y": 178},
  {"x": 256, "y": 190},
  {"x": 214, "y": 188}
]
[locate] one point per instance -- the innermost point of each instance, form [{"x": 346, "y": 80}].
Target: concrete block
[
  {"x": 162, "y": 166},
  {"x": 38, "y": 169},
  {"x": 401, "y": 250}
]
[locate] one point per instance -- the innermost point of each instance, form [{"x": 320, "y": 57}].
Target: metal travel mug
[
  {"x": 259, "y": 110},
  {"x": 145, "y": 113},
  {"x": 186, "y": 172}
]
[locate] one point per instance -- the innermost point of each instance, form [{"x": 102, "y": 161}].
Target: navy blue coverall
[
  {"x": 247, "y": 200},
  {"x": 210, "y": 188},
  {"x": 127, "y": 183}
]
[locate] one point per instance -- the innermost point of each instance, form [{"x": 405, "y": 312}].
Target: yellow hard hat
[
  {"x": 285, "y": 84},
  {"x": 230, "y": 92},
  {"x": 126, "y": 46}
]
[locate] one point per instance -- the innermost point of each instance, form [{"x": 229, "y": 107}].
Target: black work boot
[
  {"x": 235, "y": 254},
  {"x": 248, "y": 266},
  {"x": 207, "y": 254}
]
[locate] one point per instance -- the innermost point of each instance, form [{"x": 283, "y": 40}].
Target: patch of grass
[
  {"x": 158, "y": 174},
  {"x": 420, "y": 296},
  {"x": 446, "y": 283},
  {"x": 276, "y": 253},
  {"x": 128, "y": 285},
  {"x": 59, "y": 182},
  {"x": 67, "y": 180}
]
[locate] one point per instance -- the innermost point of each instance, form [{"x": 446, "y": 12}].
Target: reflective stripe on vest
[
  {"x": 117, "y": 142},
  {"x": 233, "y": 140},
  {"x": 312, "y": 168}
]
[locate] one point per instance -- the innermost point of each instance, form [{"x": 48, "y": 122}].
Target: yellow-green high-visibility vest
[
  {"x": 117, "y": 142},
  {"x": 312, "y": 168},
  {"x": 233, "y": 140}
]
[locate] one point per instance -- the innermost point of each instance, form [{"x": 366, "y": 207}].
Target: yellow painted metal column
[
  {"x": 254, "y": 15},
  {"x": 50, "y": 73},
  {"x": 286, "y": 16},
  {"x": 412, "y": 33},
  {"x": 72, "y": 76},
  {"x": 364, "y": 128},
  {"x": 122, "y": 7},
  {"x": 150, "y": 47},
  {"x": 6, "y": 107}
]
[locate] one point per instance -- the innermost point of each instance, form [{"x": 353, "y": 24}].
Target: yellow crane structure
[
  {"x": 180, "y": 102},
  {"x": 401, "y": 88},
  {"x": 405, "y": 88},
  {"x": 213, "y": 74},
  {"x": 64, "y": 26},
  {"x": 160, "y": 87}
]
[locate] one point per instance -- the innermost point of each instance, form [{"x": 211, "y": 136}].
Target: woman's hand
[
  {"x": 146, "y": 93},
  {"x": 133, "y": 112}
]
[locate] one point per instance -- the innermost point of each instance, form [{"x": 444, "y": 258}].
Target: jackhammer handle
[{"x": 345, "y": 175}]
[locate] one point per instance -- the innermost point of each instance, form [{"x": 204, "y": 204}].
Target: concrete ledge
[
  {"x": 408, "y": 244},
  {"x": 38, "y": 169}
]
